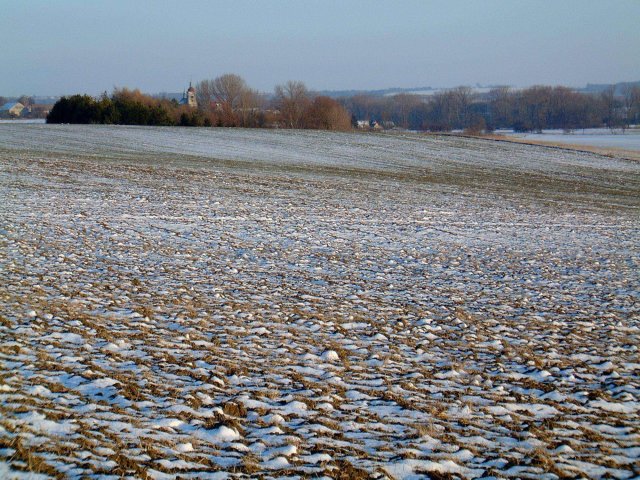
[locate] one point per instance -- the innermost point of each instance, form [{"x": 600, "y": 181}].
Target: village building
[
  {"x": 11, "y": 109},
  {"x": 375, "y": 126},
  {"x": 189, "y": 97},
  {"x": 37, "y": 110}
]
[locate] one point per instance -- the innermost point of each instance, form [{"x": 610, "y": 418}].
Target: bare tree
[
  {"x": 249, "y": 105},
  {"x": 225, "y": 90},
  {"x": 631, "y": 104},
  {"x": 533, "y": 107},
  {"x": 501, "y": 106},
  {"x": 635, "y": 105},
  {"x": 440, "y": 116},
  {"x": 292, "y": 99},
  {"x": 403, "y": 104},
  {"x": 228, "y": 89},
  {"x": 25, "y": 100},
  {"x": 609, "y": 105},
  {"x": 204, "y": 96},
  {"x": 462, "y": 98}
]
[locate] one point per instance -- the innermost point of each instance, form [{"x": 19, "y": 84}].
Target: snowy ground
[
  {"x": 201, "y": 303},
  {"x": 22, "y": 121},
  {"x": 592, "y": 137}
]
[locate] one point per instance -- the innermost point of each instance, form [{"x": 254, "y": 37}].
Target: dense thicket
[
  {"x": 124, "y": 107},
  {"x": 75, "y": 109}
]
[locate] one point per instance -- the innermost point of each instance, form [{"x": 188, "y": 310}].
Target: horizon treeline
[
  {"x": 227, "y": 101},
  {"x": 528, "y": 110},
  {"x": 123, "y": 107}
]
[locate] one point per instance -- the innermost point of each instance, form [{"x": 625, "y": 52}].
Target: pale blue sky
[{"x": 58, "y": 47}]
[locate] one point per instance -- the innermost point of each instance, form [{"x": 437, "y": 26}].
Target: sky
[{"x": 87, "y": 46}]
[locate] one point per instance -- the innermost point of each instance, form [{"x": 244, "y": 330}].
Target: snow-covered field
[
  {"x": 205, "y": 303},
  {"x": 591, "y": 137},
  {"x": 22, "y": 121}
]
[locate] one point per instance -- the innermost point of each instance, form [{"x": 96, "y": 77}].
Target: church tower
[{"x": 189, "y": 98}]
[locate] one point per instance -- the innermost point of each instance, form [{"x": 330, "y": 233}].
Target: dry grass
[
  {"x": 345, "y": 470},
  {"x": 32, "y": 459}
]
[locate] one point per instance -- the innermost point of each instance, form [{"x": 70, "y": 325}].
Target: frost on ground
[
  {"x": 595, "y": 137},
  {"x": 182, "y": 303}
]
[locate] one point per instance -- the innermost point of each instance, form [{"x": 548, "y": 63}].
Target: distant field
[
  {"x": 23, "y": 121},
  {"x": 593, "y": 137},
  {"x": 228, "y": 303}
]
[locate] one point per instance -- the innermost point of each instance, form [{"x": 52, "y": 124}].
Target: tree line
[
  {"x": 123, "y": 107},
  {"x": 23, "y": 99},
  {"x": 227, "y": 101},
  {"x": 530, "y": 109}
]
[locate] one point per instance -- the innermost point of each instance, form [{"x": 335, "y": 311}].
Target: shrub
[
  {"x": 75, "y": 109},
  {"x": 327, "y": 114}
]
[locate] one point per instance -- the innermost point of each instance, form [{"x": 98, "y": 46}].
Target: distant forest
[
  {"x": 227, "y": 101},
  {"x": 531, "y": 109}
]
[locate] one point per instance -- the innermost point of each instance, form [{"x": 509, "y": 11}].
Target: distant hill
[
  {"x": 427, "y": 91},
  {"x": 593, "y": 88},
  {"x": 386, "y": 92},
  {"x": 45, "y": 100},
  {"x": 601, "y": 87},
  {"x": 38, "y": 99},
  {"x": 372, "y": 93}
]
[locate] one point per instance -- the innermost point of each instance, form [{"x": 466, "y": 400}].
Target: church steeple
[{"x": 189, "y": 97}]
